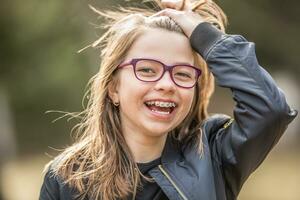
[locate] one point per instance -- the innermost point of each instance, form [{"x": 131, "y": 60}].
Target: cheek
[
  {"x": 131, "y": 90},
  {"x": 187, "y": 100}
]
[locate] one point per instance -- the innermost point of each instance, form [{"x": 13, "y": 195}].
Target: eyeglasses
[{"x": 151, "y": 70}]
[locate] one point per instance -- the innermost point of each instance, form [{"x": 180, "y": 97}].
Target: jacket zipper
[
  {"x": 228, "y": 123},
  {"x": 172, "y": 182}
]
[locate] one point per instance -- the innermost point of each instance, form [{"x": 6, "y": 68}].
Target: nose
[{"x": 165, "y": 83}]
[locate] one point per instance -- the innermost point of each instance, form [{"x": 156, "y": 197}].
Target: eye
[
  {"x": 145, "y": 69},
  {"x": 148, "y": 68},
  {"x": 183, "y": 75}
]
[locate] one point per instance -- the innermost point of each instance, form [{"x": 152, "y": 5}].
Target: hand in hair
[
  {"x": 182, "y": 13},
  {"x": 176, "y": 4}
]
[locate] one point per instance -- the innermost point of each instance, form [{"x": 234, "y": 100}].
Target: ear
[{"x": 113, "y": 91}]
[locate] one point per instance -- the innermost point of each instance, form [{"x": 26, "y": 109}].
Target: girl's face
[{"x": 141, "y": 103}]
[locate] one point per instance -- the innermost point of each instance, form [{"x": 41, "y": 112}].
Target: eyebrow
[
  {"x": 182, "y": 63},
  {"x": 175, "y": 63}
]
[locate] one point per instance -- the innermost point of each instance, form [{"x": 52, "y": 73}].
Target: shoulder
[
  {"x": 214, "y": 123},
  {"x": 51, "y": 186},
  {"x": 54, "y": 187},
  {"x": 208, "y": 131}
]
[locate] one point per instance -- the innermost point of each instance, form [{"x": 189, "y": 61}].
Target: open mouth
[{"x": 161, "y": 107}]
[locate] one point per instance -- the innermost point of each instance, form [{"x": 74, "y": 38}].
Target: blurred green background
[{"x": 40, "y": 70}]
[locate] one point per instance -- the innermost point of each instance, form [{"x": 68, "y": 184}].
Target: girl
[{"x": 146, "y": 133}]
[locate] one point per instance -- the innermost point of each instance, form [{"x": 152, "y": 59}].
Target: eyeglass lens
[{"x": 150, "y": 70}]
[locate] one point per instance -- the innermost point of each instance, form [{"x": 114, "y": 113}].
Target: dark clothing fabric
[
  {"x": 233, "y": 148},
  {"x": 150, "y": 190}
]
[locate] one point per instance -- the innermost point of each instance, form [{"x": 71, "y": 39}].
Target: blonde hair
[{"x": 99, "y": 164}]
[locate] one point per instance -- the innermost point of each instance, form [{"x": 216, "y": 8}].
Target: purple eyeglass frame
[{"x": 168, "y": 68}]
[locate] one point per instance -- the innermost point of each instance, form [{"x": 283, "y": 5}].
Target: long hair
[{"x": 100, "y": 165}]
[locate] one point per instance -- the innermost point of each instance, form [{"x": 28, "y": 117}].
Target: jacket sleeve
[{"x": 261, "y": 113}]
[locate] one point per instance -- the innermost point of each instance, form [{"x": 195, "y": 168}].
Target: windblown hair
[{"x": 100, "y": 165}]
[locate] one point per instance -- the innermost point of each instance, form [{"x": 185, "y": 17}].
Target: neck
[{"x": 145, "y": 148}]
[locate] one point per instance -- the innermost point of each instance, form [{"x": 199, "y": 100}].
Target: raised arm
[{"x": 261, "y": 114}]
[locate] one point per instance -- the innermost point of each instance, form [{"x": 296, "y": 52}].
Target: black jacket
[{"x": 233, "y": 149}]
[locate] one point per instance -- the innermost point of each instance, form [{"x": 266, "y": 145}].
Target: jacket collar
[{"x": 171, "y": 152}]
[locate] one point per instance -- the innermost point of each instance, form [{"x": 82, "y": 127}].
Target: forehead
[{"x": 169, "y": 47}]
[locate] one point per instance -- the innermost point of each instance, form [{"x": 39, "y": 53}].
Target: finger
[
  {"x": 174, "y": 4},
  {"x": 168, "y": 12},
  {"x": 164, "y": 12},
  {"x": 156, "y": 14}
]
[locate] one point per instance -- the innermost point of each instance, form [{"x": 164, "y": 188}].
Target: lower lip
[{"x": 161, "y": 116}]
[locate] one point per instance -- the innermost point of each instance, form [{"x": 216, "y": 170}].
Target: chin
[{"x": 158, "y": 132}]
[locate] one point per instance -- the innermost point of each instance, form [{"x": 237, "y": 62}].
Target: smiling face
[{"x": 147, "y": 108}]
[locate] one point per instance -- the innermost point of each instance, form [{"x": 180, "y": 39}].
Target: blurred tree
[
  {"x": 41, "y": 70},
  {"x": 273, "y": 25},
  {"x": 40, "y": 67}
]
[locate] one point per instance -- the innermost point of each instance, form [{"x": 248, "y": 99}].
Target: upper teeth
[{"x": 161, "y": 104}]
